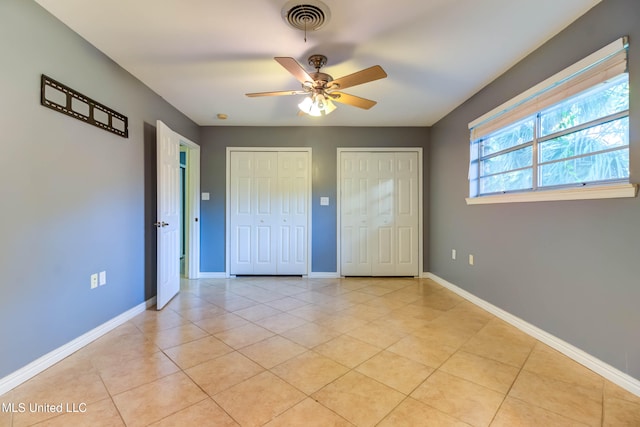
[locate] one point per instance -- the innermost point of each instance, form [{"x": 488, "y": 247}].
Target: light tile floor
[{"x": 282, "y": 351}]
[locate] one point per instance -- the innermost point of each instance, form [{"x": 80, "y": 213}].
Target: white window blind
[
  {"x": 602, "y": 65},
  {"x": 519, "y": 120}
]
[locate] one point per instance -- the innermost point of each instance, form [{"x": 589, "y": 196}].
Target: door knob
[{"x": 160, "y": 224}]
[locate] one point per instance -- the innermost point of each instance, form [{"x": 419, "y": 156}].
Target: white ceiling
[{"x": 202, "y": 56}]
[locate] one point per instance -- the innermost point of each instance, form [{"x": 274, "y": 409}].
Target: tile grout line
[
  {"x": 265, "y": 369},
  {"x": 207, "y": 396},
  {"x": 153, "y": 325},
  {"x": 512, "y": 384}
]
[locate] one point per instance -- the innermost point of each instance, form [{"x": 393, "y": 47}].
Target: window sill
[{"x": 616, "y": 191}]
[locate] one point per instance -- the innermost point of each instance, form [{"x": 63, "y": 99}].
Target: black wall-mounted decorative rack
[{"x": 65, "y": 100}]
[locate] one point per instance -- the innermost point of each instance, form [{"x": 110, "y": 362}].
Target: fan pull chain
[
  {"x": 305, "y": 29},
  {"x": 305, "y": 19}
]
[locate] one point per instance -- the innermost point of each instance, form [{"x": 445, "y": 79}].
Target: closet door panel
[
  {"x": 292, "y": 215},
  {"x": 268, "y": 212},
  {"x": 379, "y": 213},
  {"x": 241, "y": 210},
  {"x": 406, "y": 219},
  {"x": 265, "y": 175},
  {"x": 382, "y": 228},
  {"x": 355, "y": 235}
]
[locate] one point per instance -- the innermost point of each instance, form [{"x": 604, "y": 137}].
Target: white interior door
[
  {"x": 265, "y": 237},
  {"x": 292, "y": 215},
  {"x": 382, "y": 194},
  {"x": 355, "y": 236},
  {"x": 168, "y": 214},
  {"x": 253, "y": 225},
  {"x": 268, "y": 209},
  {"x": 379, "y": 213},
  {"x": 241, "y": 209},
  {"x": 407, "y": 214}
]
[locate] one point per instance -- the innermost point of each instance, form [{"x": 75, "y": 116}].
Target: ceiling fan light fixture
[
  {"x": 329, "y": 106},
  {"x": 320, "y": 88},
  {"x": 306, "y": 104},
  {"x": 316, "y": 105}
]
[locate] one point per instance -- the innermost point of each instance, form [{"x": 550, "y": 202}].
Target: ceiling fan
[{"x": 321, "y": 89}]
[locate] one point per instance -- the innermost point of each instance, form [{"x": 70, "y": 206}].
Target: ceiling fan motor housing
[
  {"x": 317, "y": 61},
  {"x": 321, "y": 77}
]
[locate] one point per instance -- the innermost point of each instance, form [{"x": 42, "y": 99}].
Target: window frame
[{"x": 614, "y": 188}]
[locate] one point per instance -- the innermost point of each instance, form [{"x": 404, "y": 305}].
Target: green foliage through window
[{"x": 580, "y": 140}]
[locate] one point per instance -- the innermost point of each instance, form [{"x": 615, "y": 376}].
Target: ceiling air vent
[{"x": 306, "y": 15}]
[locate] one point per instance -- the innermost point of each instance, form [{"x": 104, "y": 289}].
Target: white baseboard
[
  {"x": 614, "y": 375},
  {"x": 323, "y": 275},
  {"x": 212, "y": 275},
  {"x": 29, "y": 371},
  {"x": 312, "y": 275},
  {"x": 151, "y": 302}
]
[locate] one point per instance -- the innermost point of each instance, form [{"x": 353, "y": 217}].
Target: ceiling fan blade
[
  {"x": 292, "y": 66},
  {"x": 364, "y": 76},
  {"x": 353, "y": 100},
  {"x": 279, "y": 93}
]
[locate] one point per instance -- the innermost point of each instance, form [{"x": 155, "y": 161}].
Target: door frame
[
  {"x": 192, "y": 209},
  {"x": 227, "y": 203},
  {"x": 339, "y": 152}
]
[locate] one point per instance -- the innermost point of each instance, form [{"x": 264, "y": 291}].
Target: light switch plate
[
  {"x": 103, "y": 278},
  {"x": 324, "y": 201},
  {"x": 205, "y": 196}
]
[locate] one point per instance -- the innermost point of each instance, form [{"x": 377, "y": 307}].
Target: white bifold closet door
[
  {"x": 379, "y": 214},
  {"x": 268, "y": 213}
]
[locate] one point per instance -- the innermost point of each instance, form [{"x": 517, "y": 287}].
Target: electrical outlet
[
  {"x": 94, "y": 280},
  {"x": 453, "y": 254},
  {"x": 103, "y": 278},
  {"x": 470, "y": 259}
]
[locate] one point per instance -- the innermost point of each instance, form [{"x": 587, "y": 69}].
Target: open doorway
[
  {"x": 183, "y": 208},
  {"x": 174, "y": 224},
  {"x": 189, "y": 209},
  {"x": 191, "y": 213}
]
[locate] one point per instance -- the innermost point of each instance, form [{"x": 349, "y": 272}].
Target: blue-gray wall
[
  {"x": 568, "y": 267},
  {"x": 75, "y": 198},
  {"x": 324, "y": 141}
]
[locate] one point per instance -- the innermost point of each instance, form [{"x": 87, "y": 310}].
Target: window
[{"x": 570, "y": 131}]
